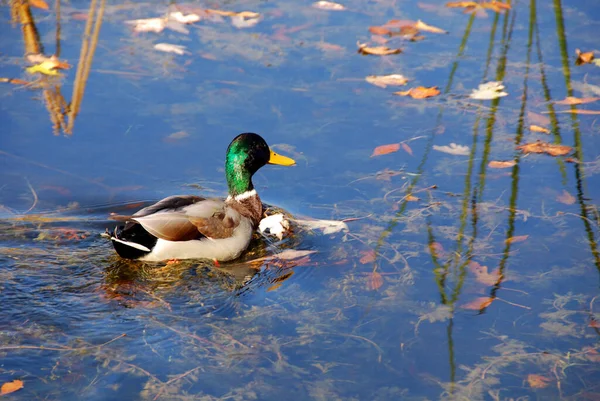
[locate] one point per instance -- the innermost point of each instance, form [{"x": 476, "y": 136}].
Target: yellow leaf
[
  {"x": 583, "y": 58},
  {"x": 39, "y": 4},
  {"x": 537, "y": 128}
]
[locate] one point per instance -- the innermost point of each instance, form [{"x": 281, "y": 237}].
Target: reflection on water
[{"x": 463, "y": 276}]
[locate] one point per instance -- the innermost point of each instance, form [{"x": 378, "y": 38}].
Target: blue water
[{"x": 77, "y": 322}]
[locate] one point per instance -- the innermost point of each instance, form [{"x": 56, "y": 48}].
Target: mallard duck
[{"x": 187, "y": 226}]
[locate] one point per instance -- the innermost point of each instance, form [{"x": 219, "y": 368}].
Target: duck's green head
[{"x": 245, "y": 155}]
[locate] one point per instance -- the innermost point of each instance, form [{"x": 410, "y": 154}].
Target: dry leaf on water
[
  {"x": 411, "y": 198},
  {"x": 406, "y": 148},
  {"x": 478, "y": 303},
  {"x": 376, "y": 50},
  {"x": 545, "y": 147},
  {"x": 184, "y": 18},
  {"x": 328, "y": 5},
  {"x": 470, "y": 6},
  {"x": 170, "y": 48},
  {"x": 501, "y": 164},
  {"x": 375, "y": 281},
  {"x": 488, "y": 91},
  {"x": 11, "y": 387},
  {"x": 420, "y": 25},
  {"x": 570, "y": 100},
  {"x": 368, "y": 257},
  {"x": 39, "y": 4},
  {"x": 148, "y": 24},
  {"x": 453, "y": 149},
  {"x": 583, "y": 58},
  {"x": 385, "y": 149},
  {"x": 384, "y": 80},
  {"x": 379, "y": 30},
  {"x": 566, "y": 198},
  {"x": 516, "y": 238},
  {"x": 420, "y": 92},
  {"x": 482, "y": 275},
  {"x": 537, "y": 128},
  {"x": 538, "y": 381}
]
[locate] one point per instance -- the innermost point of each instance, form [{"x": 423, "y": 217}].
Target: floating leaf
[
  {"x": 488, "y": 91},
  {"x": 420, "y": 92},
  {"x": 570, "y": 100},
  {"x": 379, "y": 30},
  {"x": 329, "y": 5},
  {"x": 376, "y": 50},
  {"x": 170, "y": 48},
  {"x": 385, "y": 149},
  {"x": 428, "y": 28},
  {"x": 368, "y": 257},
  {"x": 328, "y": 226},
  {"x": 545, "y": 147},
  {"x": 537, "y": 128},
  {"x": 537, "y": 381},
  {"x": 482, "y": 275},
  {"x": 375, "y": 281},
  {"x": 583, "y": 58},
  {"x": 516, "y": 238},
  {"x": 453, "y": 149},
  {"x": 478, "y": 303},
  {"x": 411, "y": 198},
  {"x": 184, "y": 18},
  {"x": 577, "y": 111},
  {"x": 406, "y": 148},
  {"x": 566, "y": 198},
  {"x": 496, "y": 6},
  {"x": 501, "y": 164},
  {"x": 39, "y": 4},
  {"x": 384, "y": 80},
  {"x": 148, "y": 24},
  {"x": 11, "y": 387}
]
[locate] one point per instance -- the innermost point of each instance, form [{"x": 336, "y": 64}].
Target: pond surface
[{"x": 456, "y": 279}]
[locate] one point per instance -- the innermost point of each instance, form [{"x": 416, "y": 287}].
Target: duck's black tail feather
[{"x": 132, "y": 241}]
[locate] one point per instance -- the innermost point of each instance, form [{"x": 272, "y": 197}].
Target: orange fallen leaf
[
  {"x": 376, "y": 50},
  {"x": 571, "y": 160},
  {"x": 420, "y": 92},
  {"x": 501, "y": 164},
  {"x": 516, "y": 238},
  {"x": 11, "y": 387},
  {"x": 379, "y": 30},
  {"x": 496, "y": 6},
  {"x": 51, "y": 62},
  {"x": 368, "y": 257},
  {"x": 595, "y": 324},
  {"x": 545, "y": 147},
  {"x": 39, "y": 4},
  {"x": 384, "y": 80},
  {"x": 537, "y": 128},
  {"x": 462, "y": 4},
  {"x": 583, "y": 58},
  {"x": 570, "y": 100},
  {"x": 482, "y": 275},
  {"x": 428, "y": 28},
  {"x": 14, "y": 81},
  {"x": 411, "y": 198},
  {"x": 375, "y": 281},
  {"x": 538, "y": 381},
  {"x": 478, "y": 303},
  {"x": 385, "y": 149},
  {"x": 566, "y": 198},
  {"x": 406, "y": 148}
]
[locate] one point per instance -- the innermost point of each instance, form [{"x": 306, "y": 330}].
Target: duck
[{"x": 194, "y": 227}]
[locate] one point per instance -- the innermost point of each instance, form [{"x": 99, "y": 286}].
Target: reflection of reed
[
  {"x": 86, "y": 55},
  {"x": 62, "y": 115}
]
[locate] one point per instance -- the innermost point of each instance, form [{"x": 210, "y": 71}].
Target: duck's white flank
[
  {"x": 220, "y": 249},
  {"x": 242, "y": 196}
]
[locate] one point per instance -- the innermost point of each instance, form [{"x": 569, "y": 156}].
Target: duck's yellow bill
[{"x": 281, "y": 160}]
